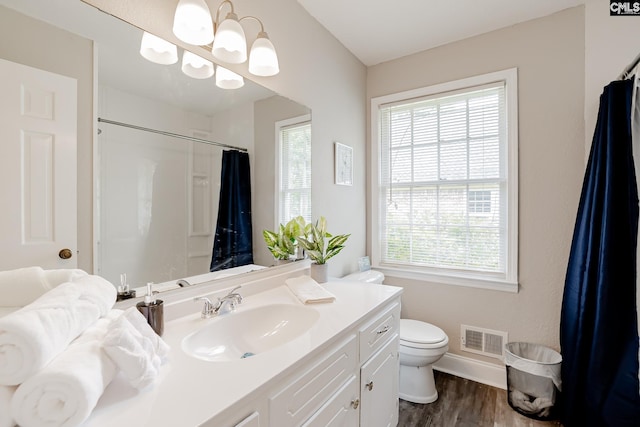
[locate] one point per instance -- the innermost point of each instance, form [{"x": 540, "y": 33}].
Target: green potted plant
[
  {"x": 319, "y": 249},
  {"x": 283, "y": 244}
]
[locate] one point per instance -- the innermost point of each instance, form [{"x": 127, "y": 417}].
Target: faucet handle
[
  {"x": 236, "y": 297},
  {"x": 232, "y": 291},
  {"x": 208, "y": 309}
]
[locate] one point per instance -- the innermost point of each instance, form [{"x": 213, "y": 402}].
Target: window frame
[
  {"x": 279, "y": 126},
  {"x": 504, "y": 282}
]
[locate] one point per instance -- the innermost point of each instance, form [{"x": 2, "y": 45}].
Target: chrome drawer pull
[{"x": 383, "y": 330}]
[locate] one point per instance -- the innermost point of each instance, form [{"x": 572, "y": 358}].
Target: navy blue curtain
[
  {"x": 232, "y": 244},
  {"x": 598, "y": 330}
]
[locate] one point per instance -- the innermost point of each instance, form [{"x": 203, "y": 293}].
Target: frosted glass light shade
[
  {"x": 227, "y": 79},
  {"x": 192, "y": 22},
  {"x": 230, "y": 44},
  {"x": 263, "y": 60},
  {"x": 195, "y": 66},
  {"x": 158, "y": 50}
]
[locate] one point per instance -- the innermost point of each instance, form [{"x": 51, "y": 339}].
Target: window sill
[{"x": 451, "y": 279}]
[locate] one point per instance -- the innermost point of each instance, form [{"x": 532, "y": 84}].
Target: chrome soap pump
[
  {"x": 123, "y": 290},
  {"x": 152, "y": 310}
]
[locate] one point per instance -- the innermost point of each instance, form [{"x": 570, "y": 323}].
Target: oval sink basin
[{"x": 243, "y": 334}]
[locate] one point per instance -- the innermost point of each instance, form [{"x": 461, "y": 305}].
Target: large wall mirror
[{"x": 157, "y": 195}]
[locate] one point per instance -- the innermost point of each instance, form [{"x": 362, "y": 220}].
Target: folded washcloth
[
  {"x": 24, "y": 285},
  {"x": 6, "y": 393},
  {"x": 35, "y": 334},
  {"x": 64, "y": 392},
  {"x": 308, "y": 291},
  {"x": 135, "y": 348}
]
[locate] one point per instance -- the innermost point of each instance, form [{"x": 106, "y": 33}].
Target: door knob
[
  {"x": 355, "y": 403},
  {"x": 65, "y": 253},
  {"x": 369, "y": 385}
]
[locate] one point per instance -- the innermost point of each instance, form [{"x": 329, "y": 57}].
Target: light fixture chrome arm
[
  {"x": 257, "y": 19},
  {"x": 217, "y": 20}
]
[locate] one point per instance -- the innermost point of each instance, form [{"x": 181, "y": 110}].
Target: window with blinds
[
  {"x": 445, "y": 181},
  {"x": 295, "y": 171}
]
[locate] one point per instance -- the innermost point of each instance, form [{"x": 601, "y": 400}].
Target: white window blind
[
  {"x": 295, "y": 172},
  {"x": 444, "y": 183}
]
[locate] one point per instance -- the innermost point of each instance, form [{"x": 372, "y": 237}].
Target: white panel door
[{"x": 38, "y": 130}]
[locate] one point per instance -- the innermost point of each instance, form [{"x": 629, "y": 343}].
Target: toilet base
[{"x": 417, "y": 384}]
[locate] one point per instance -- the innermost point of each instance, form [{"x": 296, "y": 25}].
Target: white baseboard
[{"x": 472, "y": 369}]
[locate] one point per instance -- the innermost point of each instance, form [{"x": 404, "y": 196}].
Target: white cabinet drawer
[
  {"x": 342, "y": 410},
  {"x": 379, "y": 330},
  {"x": 307, "y": 392}
]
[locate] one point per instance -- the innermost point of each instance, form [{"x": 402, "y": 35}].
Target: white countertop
[{"x": 192, "y": 391}]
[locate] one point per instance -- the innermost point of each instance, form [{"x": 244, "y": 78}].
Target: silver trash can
[{"x": 533, "y": 379}]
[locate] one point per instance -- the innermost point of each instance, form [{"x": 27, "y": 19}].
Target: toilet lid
[{"x": 415, "y": 331}]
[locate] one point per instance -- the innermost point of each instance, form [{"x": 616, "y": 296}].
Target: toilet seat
[{"x": 417, "y": 334}]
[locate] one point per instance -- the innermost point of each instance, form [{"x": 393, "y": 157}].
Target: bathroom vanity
[{"x": 276, "y": 362}]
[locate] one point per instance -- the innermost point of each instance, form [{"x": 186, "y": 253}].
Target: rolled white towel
[
  {"x": 24, "y": 285},
  {"x": 6, "y": 393},
  {"x": 64, "y": 392},
  {"x": 135, "y": 348},
  {"x": 35, "y": 334},
  {"x": 63, "y": 275},
  {"x": 308, "y": 291}
]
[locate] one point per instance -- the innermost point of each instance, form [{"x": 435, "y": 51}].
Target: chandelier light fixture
[
  {"x": 196, "y": 66},
  {"x": 193, "y": 24},
  {"x": 227, "y": 79},
  {"x": 158, "y": 50}
]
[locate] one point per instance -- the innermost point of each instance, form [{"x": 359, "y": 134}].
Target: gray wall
[{"x": 549, "y": 55}]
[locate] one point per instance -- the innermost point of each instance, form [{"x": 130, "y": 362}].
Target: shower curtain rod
[
  {"x": 174, "y": 135},
  {"x": 630, "y": 68}
]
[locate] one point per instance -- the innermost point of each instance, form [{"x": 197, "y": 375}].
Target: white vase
[{"x": 319, "y": 272}]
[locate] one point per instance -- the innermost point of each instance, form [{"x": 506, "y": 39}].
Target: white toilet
[
  {"x": 421, "y": 345},
  {"x": 367, "y": 276}
]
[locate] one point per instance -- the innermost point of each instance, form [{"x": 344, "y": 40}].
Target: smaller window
[
  {"x": 479, "y": 202},
  {"x": 294, "y": 179}
]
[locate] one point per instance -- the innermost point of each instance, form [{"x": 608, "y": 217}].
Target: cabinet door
[
  {"x": 314, "y": 385},
  {"x": 379, "y": 387},
  {"x": 341, "y": 410}
]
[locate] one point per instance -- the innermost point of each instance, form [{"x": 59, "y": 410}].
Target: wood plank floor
[{"x": 465, "y": 403}]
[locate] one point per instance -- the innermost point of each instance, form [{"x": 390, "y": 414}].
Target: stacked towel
[
  {"x": 135, "y": 348},
  {"x": 24, "y": 285},
  {"x": 6, "y": 393},
  {"x": 308, "y": 291},
  {"x": 32, "y": 336},
  {"x": 64, "y": 392}
]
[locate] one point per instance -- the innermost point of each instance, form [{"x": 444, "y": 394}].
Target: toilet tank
[{"x": 369, "y": 276}]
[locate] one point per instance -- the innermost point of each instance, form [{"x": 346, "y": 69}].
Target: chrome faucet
[{"x": 224, "y": 305}]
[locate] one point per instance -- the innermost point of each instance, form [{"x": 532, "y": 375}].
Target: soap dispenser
[
  {"x": 123, "y": 290},
  {"x": 153, "y": 310}
]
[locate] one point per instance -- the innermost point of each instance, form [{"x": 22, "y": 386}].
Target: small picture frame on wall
[{"x": 343, "y": 164}]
